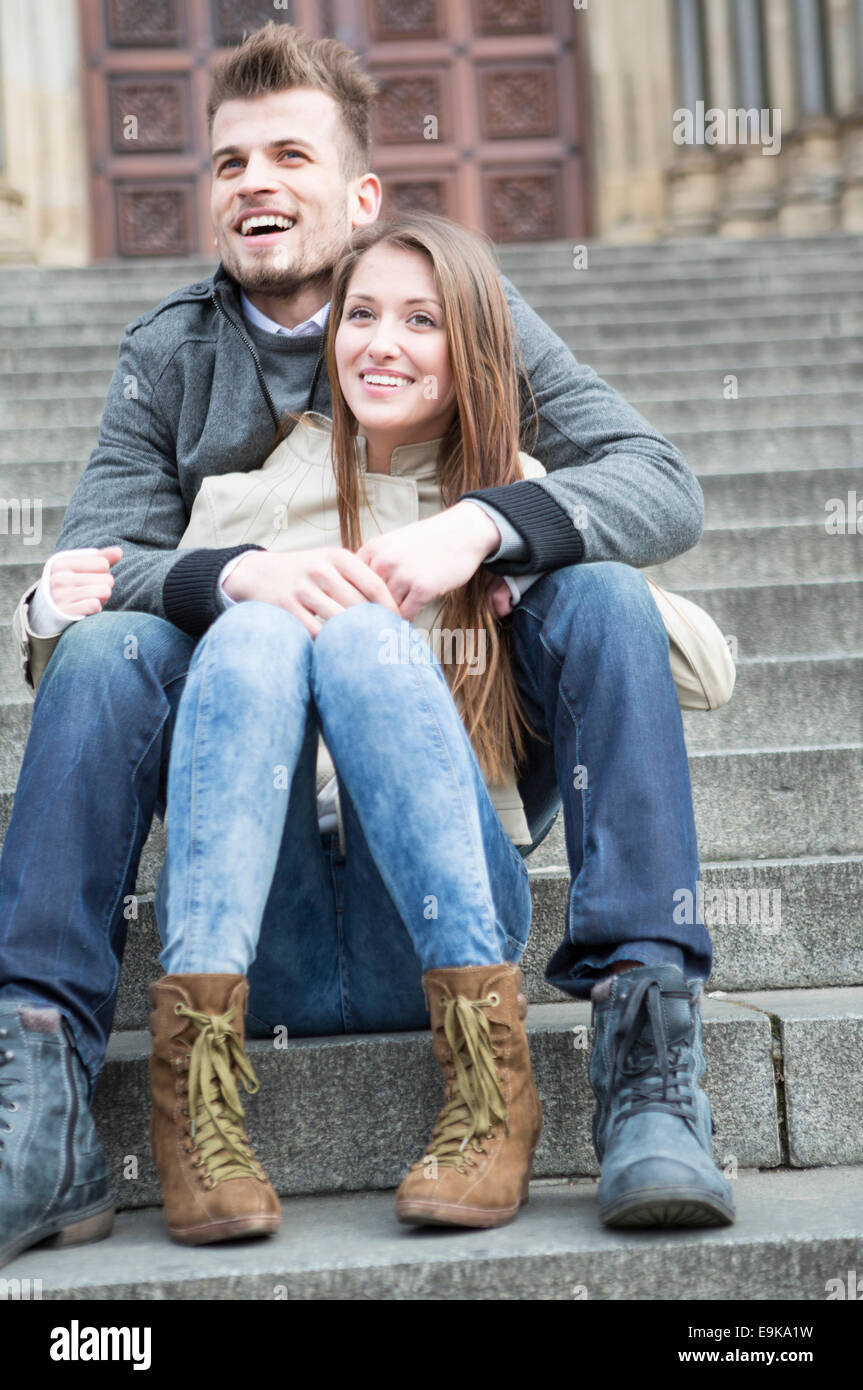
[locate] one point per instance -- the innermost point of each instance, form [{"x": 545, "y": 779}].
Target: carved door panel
[
  {"x": 480, "y": 114},
  {"x": 146, "y": 74}
]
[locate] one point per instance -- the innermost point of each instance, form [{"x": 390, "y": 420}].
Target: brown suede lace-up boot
[
  {"x": 477, "y": 1167},
  {"x": 212, "y": 1185}
]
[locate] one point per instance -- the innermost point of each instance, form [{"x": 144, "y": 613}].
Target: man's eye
[{"x": 228, "y": 164}]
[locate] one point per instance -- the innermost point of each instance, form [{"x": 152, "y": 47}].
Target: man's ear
[{"x": 366, "y": 197}]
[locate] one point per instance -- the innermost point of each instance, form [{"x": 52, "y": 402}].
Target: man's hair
[{"x": 280, "y": 57}]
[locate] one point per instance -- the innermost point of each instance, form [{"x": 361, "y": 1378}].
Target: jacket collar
[{"x": 311, "y": 439}]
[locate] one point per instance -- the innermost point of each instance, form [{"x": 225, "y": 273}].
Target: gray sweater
[{"x": 198, "y": 391}]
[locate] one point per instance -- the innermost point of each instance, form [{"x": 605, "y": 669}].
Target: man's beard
[{"x": 266, "y": 276}]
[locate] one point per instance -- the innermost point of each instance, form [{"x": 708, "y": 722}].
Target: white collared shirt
[{"x": 316, "y": 324}]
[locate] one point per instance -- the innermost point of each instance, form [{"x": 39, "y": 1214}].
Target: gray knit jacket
[{"x": 190, "y": 398}]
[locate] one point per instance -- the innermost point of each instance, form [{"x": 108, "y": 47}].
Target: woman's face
[{"x": 391, "y": 348}]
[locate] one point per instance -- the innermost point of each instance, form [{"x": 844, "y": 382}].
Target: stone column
[
  {"x": 631, "y": 105},
  {"x": 848, "y": 64},
  {"x": 44, "y": 195},
  {"x": 812, "y": 182},
  {"x": 694, "y": 177},
  {"x": 749, "y": 201}
]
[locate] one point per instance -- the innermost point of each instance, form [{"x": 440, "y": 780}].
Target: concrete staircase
[{"x": 777, "y": 785}]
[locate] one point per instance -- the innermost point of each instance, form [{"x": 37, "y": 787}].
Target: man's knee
[{"x": 106, "y": 643}]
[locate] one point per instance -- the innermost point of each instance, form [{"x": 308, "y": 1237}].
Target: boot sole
[
  {"x": 84, "y": 1229},
  {"x": 417, "y": 1213},
  {"x": 667, "y": 1207},
  {"x": 237, "y": 1229}
]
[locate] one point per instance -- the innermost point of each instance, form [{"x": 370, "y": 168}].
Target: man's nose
[{"x": 259, "y": 175}]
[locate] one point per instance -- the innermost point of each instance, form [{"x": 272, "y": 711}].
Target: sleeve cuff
[
  {"x": 191, "y": 594},
  {"x": 550, "y": 538},
  {"x": 44, "y": 618},
  {"x": 511, "y": 547}
]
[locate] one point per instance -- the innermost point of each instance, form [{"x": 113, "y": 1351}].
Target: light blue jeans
[{"x": 429, "y": 879}]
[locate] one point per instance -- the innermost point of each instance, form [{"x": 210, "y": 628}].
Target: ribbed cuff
[
  {"x": 542, "y": 523},
  {"x": 190, "y": 593}
]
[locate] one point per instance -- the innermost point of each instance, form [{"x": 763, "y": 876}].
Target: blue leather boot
[
  {"x": 54, "y": 1182},
  {"x": 652, "y": 1126}
]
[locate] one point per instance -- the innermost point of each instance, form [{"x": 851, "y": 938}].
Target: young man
[{"x": 213, "y": 368}]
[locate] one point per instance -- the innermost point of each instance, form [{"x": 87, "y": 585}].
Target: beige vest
[{"x": 290, "y": 504}]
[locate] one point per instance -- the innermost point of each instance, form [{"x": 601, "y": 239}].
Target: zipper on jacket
[
  {"x": 255, "y": 358},
  {"x": 257, "y": 361}
]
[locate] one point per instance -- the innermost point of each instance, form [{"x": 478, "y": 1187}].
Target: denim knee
[
  {"x": 255, "y": 638},
  {"x": 117, "y": 642}
]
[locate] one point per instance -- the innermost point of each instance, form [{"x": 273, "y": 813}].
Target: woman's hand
[
  {"x": 80, "y": 581},
  {"x": 427, "y": 559}
]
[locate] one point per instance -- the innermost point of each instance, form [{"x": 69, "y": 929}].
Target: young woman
[{"x": 347, "y": 901}]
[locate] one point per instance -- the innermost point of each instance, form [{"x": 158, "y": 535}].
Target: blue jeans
[
  {"x": 590, "y": 656},
  {"x": 429, "y": 878}
]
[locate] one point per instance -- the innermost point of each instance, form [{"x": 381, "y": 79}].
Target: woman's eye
[
  {"x": 353, "y": 313},
  {"x": 428, "y": 321}
]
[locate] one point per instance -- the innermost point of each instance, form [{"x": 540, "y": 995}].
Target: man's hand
[
  {"x": 81, "y": 582},
  {"x": 427, "y": 559},
  {"x": 499, "y": 596},
  {"x": 312, "y": 584}
]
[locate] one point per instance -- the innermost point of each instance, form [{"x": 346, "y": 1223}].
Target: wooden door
[{"x": 480, "y": 116}]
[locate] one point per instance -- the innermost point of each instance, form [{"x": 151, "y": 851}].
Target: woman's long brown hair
[{"x": 480, "y": 449}]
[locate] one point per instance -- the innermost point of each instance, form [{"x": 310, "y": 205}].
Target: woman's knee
[{"x": 253, "y": 636}]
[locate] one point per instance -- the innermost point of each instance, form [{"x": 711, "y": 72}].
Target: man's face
[{"x": 282, "y": 209}]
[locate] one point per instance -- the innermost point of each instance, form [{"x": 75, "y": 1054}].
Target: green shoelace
[
  {"x": 215, "y": 1112},
  {"x": 476, "y": 1101}
]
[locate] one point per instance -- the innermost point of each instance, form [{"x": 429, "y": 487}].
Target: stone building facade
[{"x": 530, "y": 119}]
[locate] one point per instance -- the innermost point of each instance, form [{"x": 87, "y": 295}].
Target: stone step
[
  {"x": 789, "y": 496},
  {"x": 743, "y": 450},
  {"x": 804, "y": 701},
  {"x": 325, "y": 1102},
  {"x": 568, "y": 306},
  {"x": 352, "y": 1248},
  {"x": 747, "y": 412},
  {"x": 77, "y": 381},
  {"x": 821, "y": 1041},
  {"x": 61, "y": 357},
  {"x": 816, "y": 618},
  {"x": 765, "y": 554},
  {"x": 795, "y": 1233},
  {"x": 680, "y": 384},
  {"x": 775, "y": 924},
  {"x": 731, "y": 353},
  {"x": 53, "y": 481},
  {"x": 755, "y": 804}
]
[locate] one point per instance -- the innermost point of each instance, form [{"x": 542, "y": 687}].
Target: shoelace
[
  {"x": 215, "y": 1111},
  {"x": 663, "y": 1082},
  {"x": 476, "y": 1102}
]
